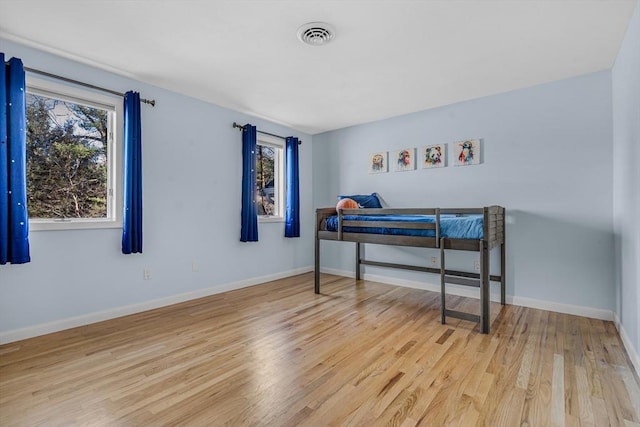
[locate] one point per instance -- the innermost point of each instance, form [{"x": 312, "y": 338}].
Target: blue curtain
[
  {"x": 292, "y": 210},
  {"x": 132, "y": 188},
  {"x": 14, "y": 219},
  {"x": 249, "y": 215}
]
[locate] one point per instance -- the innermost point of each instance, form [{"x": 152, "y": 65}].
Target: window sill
[
  {"x": 270, "y": 219},
  {"x": 72, "y": 224}
]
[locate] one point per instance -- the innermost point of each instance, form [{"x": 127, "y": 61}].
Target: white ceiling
[{"x": 389, "y": 57}]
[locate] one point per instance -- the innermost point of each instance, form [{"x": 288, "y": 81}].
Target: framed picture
[
  {"x": 467, "y": 152},
  {"x": 434, "y": 156},
  {"x": 404, "y": 159},
  {"x": 379, "y": 162}
]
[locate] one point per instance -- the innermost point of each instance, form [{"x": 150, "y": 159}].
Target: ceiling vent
[{"x": 316, "y": 33}]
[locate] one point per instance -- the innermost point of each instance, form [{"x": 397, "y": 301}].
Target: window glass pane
[
  {"x": 266, "y": 185},
  {"x": 66, "y": 159}
]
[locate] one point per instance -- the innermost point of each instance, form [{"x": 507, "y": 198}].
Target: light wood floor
[{"x": 361, "y": 354}]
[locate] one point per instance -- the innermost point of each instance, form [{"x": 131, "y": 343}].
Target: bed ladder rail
[{"x": 482, "y": 283}]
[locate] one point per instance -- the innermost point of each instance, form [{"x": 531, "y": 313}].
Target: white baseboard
[
  {"x": 594, "y": 313},
  {"x": 99, "y": 316},
  {"x": 628, "y": 345},
  {"x": 576, "y": 310}
]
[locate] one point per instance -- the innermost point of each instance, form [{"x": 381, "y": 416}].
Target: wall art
[
  {"x": 467, "y": 152},
  {"x": 379, "y": 162},
  {"x": 434, "y": 156},
  {"x": 404, "y": 159}
]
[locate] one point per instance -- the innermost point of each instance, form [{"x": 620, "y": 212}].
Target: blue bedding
[{"x": 451, "y": 226}]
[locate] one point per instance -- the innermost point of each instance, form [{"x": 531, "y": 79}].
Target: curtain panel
[
  {"x": 132, "y": 185},
  {"x": 292, "y": 209},
  {"x": 14, "y": 218},
  {"x": 249, "y": 212}
]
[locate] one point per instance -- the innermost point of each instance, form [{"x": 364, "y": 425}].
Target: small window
[
  {"x": 73, "y": 177},
  {"x": 269, "y": 178}
]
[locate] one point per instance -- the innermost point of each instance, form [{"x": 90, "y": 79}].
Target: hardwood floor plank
[
  {"x": 584, "y": 398},
  {"x": 535, "y": 407},
  {"x": 557, "y": 392},
  {"x": 633, "y": 389},
  {"x": 359, "y": 354}
]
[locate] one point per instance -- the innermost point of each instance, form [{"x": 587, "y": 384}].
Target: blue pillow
[{"x": 364, "y": 200}]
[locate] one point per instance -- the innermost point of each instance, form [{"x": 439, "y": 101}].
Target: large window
[
  {"x": 270, "y": 178},
  {"x": 72, "y": 157}
]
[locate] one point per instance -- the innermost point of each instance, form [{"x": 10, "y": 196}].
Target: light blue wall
[
  {"x": 626, "y": 148},
  {"x": 546, "y": 157},
  {"x": 192, "y": 174}
]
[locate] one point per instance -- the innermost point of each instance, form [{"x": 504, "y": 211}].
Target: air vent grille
[{"x": 316, "y": 33}]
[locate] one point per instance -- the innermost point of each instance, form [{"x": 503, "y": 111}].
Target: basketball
[{"x": 347, "y": 204}]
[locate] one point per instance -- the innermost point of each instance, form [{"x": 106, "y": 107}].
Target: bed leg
[
  {"x": 485, "y": 296},
  {"x": 443, "y": 294},
  {"x": 316, "y": 287},
  {"x": 358, "y": 249},
  {"x": 503, "y": 274},
  {"x": 359, "y": 256}
]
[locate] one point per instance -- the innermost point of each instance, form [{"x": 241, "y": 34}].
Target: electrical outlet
[
  {"x": 434, "y": 261},
  {"x": 146, "y": 274},
  {"x": 476, "y": 265},
  {"x": 195, "y": 267}
]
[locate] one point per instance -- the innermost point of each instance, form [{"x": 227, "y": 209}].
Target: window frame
[
  {"x": 279, "y": 187},
  {"x": 113, "y": 104}
]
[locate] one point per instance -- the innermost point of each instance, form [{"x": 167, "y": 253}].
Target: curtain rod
[
  {"x": 240, "y": 127},
  {"x": 151, "y": 102}
]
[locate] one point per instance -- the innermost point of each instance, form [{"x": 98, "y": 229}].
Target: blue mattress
[{"x": 451, "y": 226}]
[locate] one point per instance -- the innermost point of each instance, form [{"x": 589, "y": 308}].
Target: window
[
  {"x": 73, "y": 164},
  {"x": 270, "y": 178}
]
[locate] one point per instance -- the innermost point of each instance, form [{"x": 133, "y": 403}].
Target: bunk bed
[{"x": 463, "y": 229}]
